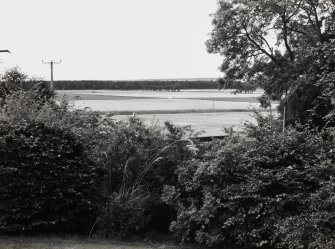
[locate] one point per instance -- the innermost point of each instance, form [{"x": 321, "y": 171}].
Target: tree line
[{"x": 160, "y": 85}]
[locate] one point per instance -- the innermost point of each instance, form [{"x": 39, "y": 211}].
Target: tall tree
[{"x": 280, "y": 45}]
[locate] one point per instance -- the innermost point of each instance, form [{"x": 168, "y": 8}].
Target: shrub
[
  {"x": 124, "y": 214},
  {"x": 46, "y": 180},
  {"x": 14, "y": 80},
  {"x": 269, "y": 189},
  {"x": 138, "y": 160}
]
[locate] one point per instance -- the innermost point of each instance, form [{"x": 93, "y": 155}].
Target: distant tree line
[
  {"x": 241, "y": 87},
  {"x": 162, "y": 85}
]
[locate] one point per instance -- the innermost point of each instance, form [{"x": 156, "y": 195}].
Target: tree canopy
[{"x": 286, "y": 46}]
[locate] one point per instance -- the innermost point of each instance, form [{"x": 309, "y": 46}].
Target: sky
[{"x": 109, "y": 39}]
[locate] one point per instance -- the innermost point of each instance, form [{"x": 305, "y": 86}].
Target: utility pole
[{"x": 52, "y": 71}]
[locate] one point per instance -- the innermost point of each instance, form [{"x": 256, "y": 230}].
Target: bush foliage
[
  {"x": 134, "y": 160},
  {"x": 45, "y": 179},
  {"x": 63, "y": 169},
  {"x": 14, "y": 80},
  {"x": 138, "y": 160},
  {"x": 270, "y": 189}
]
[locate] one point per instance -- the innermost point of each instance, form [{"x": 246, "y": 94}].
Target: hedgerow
[
  {"x": 271, "y": 189},
  {"x": 46, "y": 180}
]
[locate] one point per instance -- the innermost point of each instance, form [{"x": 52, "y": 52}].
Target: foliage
[
  {"x": 138, "y": 160},
  {"x": 125, "y": 151},
  {"x": 269, "y": 189},
  {"x": 285, "y": 46},
  {"x": 240, "y": 87},
  {"x": 159, "y": 85},
  {"x": 124, "y": 214},
  {"x": 14, "y": 80},
  {"x": 135, "y": 160},
  {"x": 46, "y": 180}
]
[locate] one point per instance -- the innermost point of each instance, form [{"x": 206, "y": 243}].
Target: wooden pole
[{"x": 51, "y": 72}]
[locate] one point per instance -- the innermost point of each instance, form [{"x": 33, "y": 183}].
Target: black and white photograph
[{"x": 168, "y": 124}]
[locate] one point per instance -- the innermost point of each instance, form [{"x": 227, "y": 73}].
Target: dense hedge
[
  {"x": 272, "y": 189},
  {"x": 45, "y": 180}
]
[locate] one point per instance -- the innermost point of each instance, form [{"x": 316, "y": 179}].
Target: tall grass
[{"x": 124, "y": 212}]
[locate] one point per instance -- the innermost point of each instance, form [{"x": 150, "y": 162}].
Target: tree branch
[
  {"x": 295, "y": 30},
  {"x": 296, "y": 11},
  {"x": 288, "y": 48},
  {"x": 315, "y": 26},
  {"x": 259, "y": 47}
]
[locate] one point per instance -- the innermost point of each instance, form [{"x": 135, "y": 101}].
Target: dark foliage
[
  {"x": 271, "y": 189},
  {"x": 135, "y": 159},
  {"x": 168, "y": 85},
  {"x": 138, "y": 160},
  {"x": 286, "y": 46},
  {"x": 240, "y": 87},
  {"x": 13, "y": 80},
  {"x": 46, "y": 180}
]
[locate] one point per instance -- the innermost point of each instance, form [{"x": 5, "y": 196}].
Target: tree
[{"x": 280, "y": 45}]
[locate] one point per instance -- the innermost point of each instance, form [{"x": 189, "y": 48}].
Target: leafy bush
[
  {"x": 14, "y": 80},
  {"x": 24, "y": 107},
  {"x": 269, "y": 189},
  {"x": 123, "y": 214},
  {"x": 46, "y": 180},
  {"x": 138, "y": 160}
]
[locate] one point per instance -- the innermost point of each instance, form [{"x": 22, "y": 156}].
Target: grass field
[
  {"x": 183, "y": 94},
  {"x": 104, "y": 96},
  {"x": 78, "y": 243},
  {"x": 157, "y": 102},
  {"x": 139, "y": 105},
  {"x": 205, "y": 110}
]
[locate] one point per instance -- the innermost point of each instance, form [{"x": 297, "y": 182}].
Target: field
[{"x": 205, "y": 110}]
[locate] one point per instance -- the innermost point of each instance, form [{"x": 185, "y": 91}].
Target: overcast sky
[{"x": 109, "y": 39}]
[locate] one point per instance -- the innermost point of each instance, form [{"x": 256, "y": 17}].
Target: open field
[
  {"x": 78, "y": 243},
  {"x": 138, "y": 105},
  {"x": 183, "y": 94},
  {"x": 162, "y": 101},
  {"x": 86, "y": 96},
  {"x": 205, "y": 110}
]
